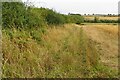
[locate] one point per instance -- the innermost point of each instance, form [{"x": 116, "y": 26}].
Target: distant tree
[{"x": 96, "y": 19}]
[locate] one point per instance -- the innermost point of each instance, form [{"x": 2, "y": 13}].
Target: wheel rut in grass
[{"x": 106, "y": 40}]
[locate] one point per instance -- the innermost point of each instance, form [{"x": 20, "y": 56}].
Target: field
[
  {"x": 42, "y": 43},
  {"x": 64, "y": 52},
  {"x": 107, "y": 37},
  {"x": 101, "y": 17}
]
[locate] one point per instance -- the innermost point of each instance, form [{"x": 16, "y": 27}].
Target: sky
[{"x": 79, "y": 6}]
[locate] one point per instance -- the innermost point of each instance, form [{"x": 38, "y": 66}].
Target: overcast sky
[{"x": 80, "y": 6}]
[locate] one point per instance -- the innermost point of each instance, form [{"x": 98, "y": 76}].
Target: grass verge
[{"x": 61, "y": 52}]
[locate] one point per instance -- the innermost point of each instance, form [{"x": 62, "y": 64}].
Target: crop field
[
  {"x": 101, "y": 17},
  {"x": 107, "y": 37}
]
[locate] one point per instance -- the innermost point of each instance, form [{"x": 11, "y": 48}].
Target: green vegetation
[
  {"x": 75, "y": 18},
  {"x": 17, "y": 15},
  {"x": 37, "y": 43}
]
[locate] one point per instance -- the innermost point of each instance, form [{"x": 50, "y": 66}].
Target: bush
[
  {"x": 54, "y": 18},
  {"x": 16, "y": 15},
  {"x": 74, "y": 18},
  {"x": 33, "y": 20},
  {"x": 13, "y": 14}
]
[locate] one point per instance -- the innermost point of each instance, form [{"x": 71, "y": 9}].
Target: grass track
[{"x": 61, "y": 52}]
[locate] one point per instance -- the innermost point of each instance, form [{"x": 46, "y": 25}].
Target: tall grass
[
  {"x": 61, "y": 52},
  {"x": 31, "y": 50}
]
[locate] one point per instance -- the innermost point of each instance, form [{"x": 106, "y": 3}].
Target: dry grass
[
  {"x": 107, "y": 37},
  {"x": 111, "y": 29},
  {"x": 61, "y": 52}
]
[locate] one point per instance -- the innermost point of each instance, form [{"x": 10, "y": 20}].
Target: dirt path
[{"x": 107, "y": 41}]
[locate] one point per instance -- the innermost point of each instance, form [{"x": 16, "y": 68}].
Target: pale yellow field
[
  {"x": 107, "y": 38},
  {"x": 112, "y": 29},
  {"x": 101, "y": 18}
]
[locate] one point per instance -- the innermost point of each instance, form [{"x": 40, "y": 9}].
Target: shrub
[
  {"x": 16, "y": 15},
  {"x": 75, "y": 18},
  {"x": 54, "y": 18},
  {"x": 13, "y": 14}
]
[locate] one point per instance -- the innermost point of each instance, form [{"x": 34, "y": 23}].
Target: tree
[{"x": 96, "y": 19}]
